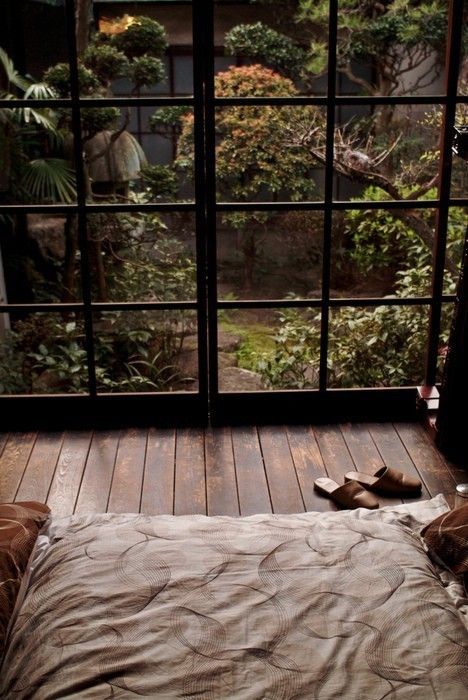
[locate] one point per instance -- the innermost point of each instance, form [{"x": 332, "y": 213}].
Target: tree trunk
[{"x": 84, "y": 19}]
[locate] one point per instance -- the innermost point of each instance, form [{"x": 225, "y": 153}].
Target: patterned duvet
[{"x": 335, "y": 605}]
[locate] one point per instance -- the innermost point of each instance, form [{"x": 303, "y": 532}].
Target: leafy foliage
[
  {"x": 384, "y": 346},
  {"x": 58, "y": 77},
  {"x": 261, "y": 43},
  {"x": 144, "y": 36},
  {"x": 106, "y": 61}
]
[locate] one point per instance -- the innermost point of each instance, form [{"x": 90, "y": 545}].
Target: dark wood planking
[
  {"x": 40, "y": 469},
  {"x": 13, "y": 462},
  {"x": 394, "y": 454},
  {"x": 190, "y": 486},
  {"x": 428, "y": 461},
  {"x": 127, "y": 480},
  {"x": 309, "y": 465},
  {"x": 157, "y": 495},
  {"x": 69, "y": 472},
  {"x": 335, "y": 454},
  {"x": 365, "y": 455},
  {"x": 3, "y": 441},
  {"x": 251, "y": 480},
  {"x": 221, "y": 485},
  {"x": 95, "y": 486},
  {"x": 281, "y": 475}
]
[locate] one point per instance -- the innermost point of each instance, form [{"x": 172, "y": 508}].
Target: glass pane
[
  {"x": 390, "y": 48},
  {"x": 263, "y": 153},
  {"x": 288, "y": 39},
  {"x": 142, "y": 257},
  {"x": 268, "y": 349},
  {"x": 372, "y": 347},
  {"x": 146, "y": 351},
  {"x": 132, "y": 154},
  {"x": 39, "y": 260},
  {"x": 42, "y": 354},
  {"x": 147, "y": 35},
  {"x": 36, "y": 161},
  {"x": 463, "y": 76},
  {"x": 270, "y": 255},
  {"x": 28, "y": 29},
  {"x": 456, "y": 233},
  {"x": 379, "y": 252},
  {"x": 385, "y": 152}
]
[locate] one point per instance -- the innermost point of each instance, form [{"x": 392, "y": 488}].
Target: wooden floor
[{"x": 230, "y": 471}]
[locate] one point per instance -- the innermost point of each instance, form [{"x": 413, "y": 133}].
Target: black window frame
[{"x": 209, "y": 403}]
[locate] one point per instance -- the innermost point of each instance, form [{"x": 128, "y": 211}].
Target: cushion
[
  {"x": 19, "y": 527},
  {"x": 446, "y": 538}
]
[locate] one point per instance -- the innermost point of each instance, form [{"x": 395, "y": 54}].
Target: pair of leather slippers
[{"x": 355, "y": 491}]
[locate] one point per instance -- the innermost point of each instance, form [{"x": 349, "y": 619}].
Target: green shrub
[{"x": 143, "y": 36}]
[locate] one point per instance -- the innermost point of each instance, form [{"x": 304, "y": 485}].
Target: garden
[{"x": 382, "y": 153}]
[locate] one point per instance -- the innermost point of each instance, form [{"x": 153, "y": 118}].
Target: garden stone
[
  {"x": 226, "y": 359},
  {"x": 228, "y": 342},
  {"x": 238, "y": 379},
  {"x": 47, "y": 232}
]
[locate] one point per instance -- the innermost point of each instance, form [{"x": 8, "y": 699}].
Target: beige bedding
[{"x": 336, "y": 605}]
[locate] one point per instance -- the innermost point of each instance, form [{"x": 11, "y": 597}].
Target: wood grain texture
[
  {"x": 95, "y": 486},
  {"x": 218, "y": 471},
  {"x": 252, "y": 484},
  {"x": 394, "y": 454},
  {"x": 335, "y": 454},
  {"x": 221, "y": 484},
  {"x": 3, "y": 441},
  {"x": 69, "y": 472},
  {"x": 190, "y": 485},
  {"x": 427, "y": 460},
  {"x": 309, "y": 465},
  {"x": 127, "y": 479},
  {"x": 281, "y": 474},
  {"x": 365, "y": 454},
  {"x": 157, "y": 495},
  {"x": 40, "y": 469},
  {"x": 13, "y": 462}
]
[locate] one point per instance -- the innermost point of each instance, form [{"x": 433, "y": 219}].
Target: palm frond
[
  {"x": 12, "y": 75},
  {"x": 43, "y": 117},
  {"x": 50, "y": 180},
  {"x": 39, "y": 91}
]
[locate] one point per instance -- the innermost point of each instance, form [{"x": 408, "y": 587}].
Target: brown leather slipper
[
  {"x": 387, "y": 481},
  {"x": 350, "y": 495}
]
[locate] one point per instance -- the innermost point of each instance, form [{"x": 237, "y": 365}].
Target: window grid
[{"x": 204, "y": 103}]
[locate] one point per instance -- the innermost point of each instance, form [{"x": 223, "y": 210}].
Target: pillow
[
  {"x": 446, "y": 538},
  {"x": 19, "y": 527}
]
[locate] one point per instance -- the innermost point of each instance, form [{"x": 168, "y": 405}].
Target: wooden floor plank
[
  {"x": 158, "y": 481},
  {"x": 394, "y": 454},
  {"x": 190, "y": 485},
  {"x": 221, "y": 486},
  {"x": 95, "y": 486},
  {"x": 281, "y": 475},
  {"x": 335, "y": 454},
  {"x": 3, "y": 441},
  {"x": 365, "y": 454},
  {"x": 13, "y": 462},
  {"x": 251, "y": 480},
  {"x": 127, "y": 480},
  {"x": 309, "y": 465},
  {"x": 426, "y": 458},
  {"x": 40, "y": 469},
  {"x": 69, "y": 472}
]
